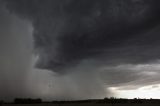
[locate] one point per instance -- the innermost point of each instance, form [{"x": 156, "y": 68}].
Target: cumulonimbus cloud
[
  {"x": 87, "y": 36},
  {"x": 67, "y": 31}
]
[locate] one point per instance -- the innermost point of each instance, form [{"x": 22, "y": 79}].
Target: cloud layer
[
  {"x": 68, "y": 32},
  {"x": 93, "y": 42}
]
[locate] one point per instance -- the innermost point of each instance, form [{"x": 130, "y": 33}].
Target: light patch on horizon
[
  {"x": 151, "y": 91},
  {"x": 137, "y": 81}
]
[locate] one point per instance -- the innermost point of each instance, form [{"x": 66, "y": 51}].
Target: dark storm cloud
[
  {"x": 67, "y": 32},
  {"x": 113, "y": 40}
]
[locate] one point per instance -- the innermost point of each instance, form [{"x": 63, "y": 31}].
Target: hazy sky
[{"x": 79, "y": 49}]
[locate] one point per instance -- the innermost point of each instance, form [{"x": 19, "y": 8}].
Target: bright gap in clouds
[
  {"x": 145, "y": 85},
  {"x": 151, "y": 91}
]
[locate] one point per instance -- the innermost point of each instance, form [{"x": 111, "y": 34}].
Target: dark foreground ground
[
  {"x": 82, "y": 104},
  {"x": 96, "y": 102}
]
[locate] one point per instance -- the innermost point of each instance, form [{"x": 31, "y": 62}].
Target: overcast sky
[{"x": 79, "y": 49}]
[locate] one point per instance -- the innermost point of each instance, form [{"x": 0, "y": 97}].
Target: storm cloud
[
  {"x": 67, "y": 31},
  {"x": 99, "y": 39}
]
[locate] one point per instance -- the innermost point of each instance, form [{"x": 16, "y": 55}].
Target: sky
[{"x": 79, "y": 49}]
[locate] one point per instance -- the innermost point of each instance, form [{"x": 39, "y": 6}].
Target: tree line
[{"x": 111, "y": 100}]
